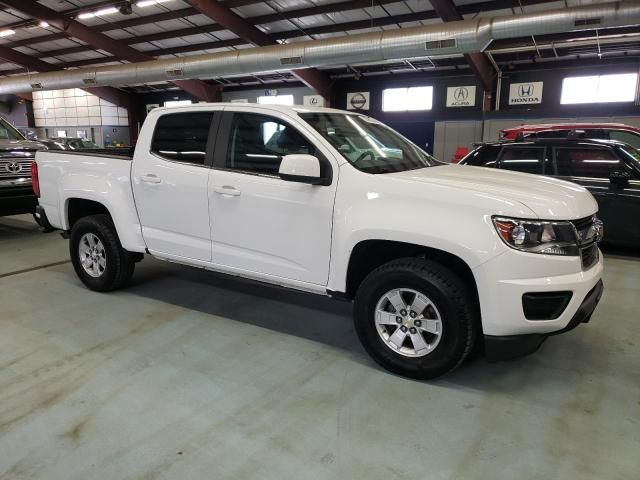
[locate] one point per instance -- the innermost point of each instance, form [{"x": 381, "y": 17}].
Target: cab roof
[{"x": 290, "y": 109}]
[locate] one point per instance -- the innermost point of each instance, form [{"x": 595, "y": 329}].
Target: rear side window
[
  {"x": 182, "y": 137},
  {"x": 586, "y": 162},
  {"x": 484, "y": 157},
  {"x": 523, "y": 159}
]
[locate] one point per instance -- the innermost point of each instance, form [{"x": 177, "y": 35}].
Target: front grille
[
  {"x": 15, "y": 168},
  {"x": 588, "y": 237},
  {"x": 589, "y": 256},
  {"x": 586, "y": 229}
]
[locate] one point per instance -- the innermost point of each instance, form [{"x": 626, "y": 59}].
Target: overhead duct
[{"x": 465, "y": 36}]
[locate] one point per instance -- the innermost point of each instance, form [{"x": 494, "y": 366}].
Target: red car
[{"x": 607, "y": 131}]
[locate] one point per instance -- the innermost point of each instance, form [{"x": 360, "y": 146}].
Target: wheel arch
[
  {"x": 77, "y": 207},
  {"x": 368, "y": 255}
]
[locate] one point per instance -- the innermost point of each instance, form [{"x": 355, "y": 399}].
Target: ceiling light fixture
[
  {"x": 148, "y": 3},
  {"x": 84, "y": 16},
  {"x": 44, "y": 24},
  {"x": 106, "y": 11},
  {"x": 6, "y": 33}
]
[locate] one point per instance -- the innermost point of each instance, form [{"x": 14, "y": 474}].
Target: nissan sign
[
  {"x": 525, "y": 93},
  {"x": 358, "y": 101},
  {"x": 463, "y": 96}
]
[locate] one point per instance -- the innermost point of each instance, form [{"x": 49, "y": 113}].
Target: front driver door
[
  {"x": 261, "y": 223},
  {"x": 170, "y": 185}
]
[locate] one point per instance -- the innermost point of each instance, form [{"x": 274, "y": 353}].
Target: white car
[{"x": 436, "y": 257}]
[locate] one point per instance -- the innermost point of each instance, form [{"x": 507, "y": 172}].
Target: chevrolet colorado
[{"x": 435, "y": 257}]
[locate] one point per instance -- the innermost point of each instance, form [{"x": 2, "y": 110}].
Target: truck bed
[{"x": 122, "y": 153}]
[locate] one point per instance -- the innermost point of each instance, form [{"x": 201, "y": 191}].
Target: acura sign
[
  {"x": 525, "y": 93},
  {"x": 463, "y": 96}
]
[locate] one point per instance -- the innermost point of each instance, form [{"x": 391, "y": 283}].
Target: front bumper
[
  {"x": 15, "y": 201},
  {"x": 511, "y": 346},
  {"x": 503, "y": 281}
]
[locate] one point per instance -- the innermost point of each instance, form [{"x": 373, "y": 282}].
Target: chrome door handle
[
  {"x": 150, "y": 178},
  {"x": 227, "y": 190}
]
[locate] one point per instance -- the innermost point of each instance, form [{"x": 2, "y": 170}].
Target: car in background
[
  {"x": 16, "y": 155},
  {"x": 601, "y": 131},
  {"x": 69, "y": 143},
  {"x": 610, "y": 170},
  {"x": 28, "y": 133}
]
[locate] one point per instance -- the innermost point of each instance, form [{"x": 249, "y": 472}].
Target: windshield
[
  {"x": 8, "y": 131},
  {"x": 633, "y": 154},
  {"x": 367, "y": 144}
]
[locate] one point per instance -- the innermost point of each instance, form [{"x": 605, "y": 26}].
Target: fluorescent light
[
  {"x": 86, "y": 15},
  {"x": 106, "y": 11},
  {"x": 44, "y": 24},
  {"x": 148, "y": 3},
  {"x": 6, "y": 33}
]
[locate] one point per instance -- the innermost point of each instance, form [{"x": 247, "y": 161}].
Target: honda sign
[{"x": 525, "y": 93}]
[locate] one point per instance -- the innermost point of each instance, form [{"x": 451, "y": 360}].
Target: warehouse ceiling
[{"x": 173, "y": 28}]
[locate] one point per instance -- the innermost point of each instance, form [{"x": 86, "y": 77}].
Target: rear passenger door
[
  {"x": 170, "y": 184},
  {"x": 591, "y": 167}
]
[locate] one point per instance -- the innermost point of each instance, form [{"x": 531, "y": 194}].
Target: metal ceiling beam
[
  {"x": 73, "y": 28},
  {"x": 110, "y": 94},
  {"x": 73, "y": 12},
  {"x": 233, "y": 22},
  {"x": 360, "y": 24},
  {"x": 261, "y": 20},
  {"x": 478, "y": 61}
]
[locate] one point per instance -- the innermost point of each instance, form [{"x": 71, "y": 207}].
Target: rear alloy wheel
[
  {"x": 416, "y": 317},
  {"x": 97, "y": 255},
  {"x": 93, "y": 257}
]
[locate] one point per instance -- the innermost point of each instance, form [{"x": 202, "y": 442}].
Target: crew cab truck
[{"x": 435, "y": 257}]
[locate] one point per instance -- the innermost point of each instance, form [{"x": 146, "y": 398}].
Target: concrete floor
[{"x": 189, "y": 375}]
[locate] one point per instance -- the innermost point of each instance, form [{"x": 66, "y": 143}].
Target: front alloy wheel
[
  {"x": 408, "y": 322},
  {"x": 416, "y": 317}
]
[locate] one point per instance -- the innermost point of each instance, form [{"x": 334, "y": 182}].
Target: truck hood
[
  {"x": 548, "y": 198},
  {"x": 13, "y": 145}
]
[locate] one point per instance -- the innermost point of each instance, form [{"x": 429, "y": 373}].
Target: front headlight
[{"x": 550, "y": 238}]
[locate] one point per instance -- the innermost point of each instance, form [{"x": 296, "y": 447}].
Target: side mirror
[
  {"x": 619, "y": 178},
  {"x": 300, "y": 168}
]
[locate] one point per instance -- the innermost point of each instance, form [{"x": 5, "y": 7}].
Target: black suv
[{"x": 610, "y": 170}]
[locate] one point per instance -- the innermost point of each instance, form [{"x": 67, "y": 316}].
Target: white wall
[
  {"x": 74, "y": 107},
  {"x": 450, "y": 135},
  {"x": 252, "y": 95}
]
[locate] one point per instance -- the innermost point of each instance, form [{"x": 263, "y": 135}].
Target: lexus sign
[
  {"x": 525, "y": 93},
  {"x": 463, "y": 96}
]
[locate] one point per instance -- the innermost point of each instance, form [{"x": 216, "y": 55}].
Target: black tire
[
  {"x": 452, "y": 298},
  {"x": 120, "y": 263}
]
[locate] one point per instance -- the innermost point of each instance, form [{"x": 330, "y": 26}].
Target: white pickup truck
[{"x": 437, "y": 258}]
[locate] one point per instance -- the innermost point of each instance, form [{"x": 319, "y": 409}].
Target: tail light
[{"x": 35, "y": 181}]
